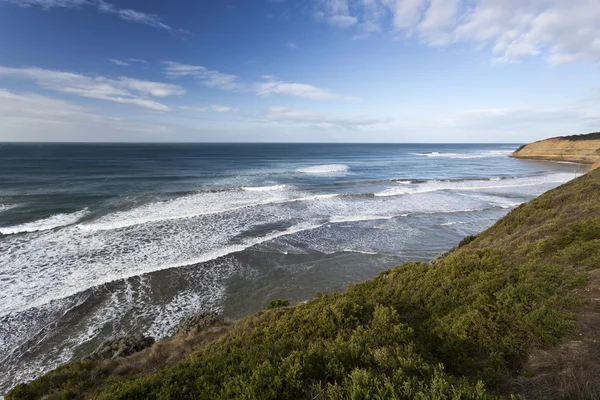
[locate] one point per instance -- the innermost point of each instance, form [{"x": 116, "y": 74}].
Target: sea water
[{"x": 99, "y": 240}]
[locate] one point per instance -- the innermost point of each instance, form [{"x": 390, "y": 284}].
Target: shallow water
[{"x": 100, "y": 240}]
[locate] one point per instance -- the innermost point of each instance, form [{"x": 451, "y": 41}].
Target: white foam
[
  {"x": 360, "y": 251},
  {"x": 470, "y": 155},
  {"x": 199, "y": 204},
  {"x": 318, "y": 197},
  {"x": 264, "y": 188},
  {"x": 325, "y": 169},
  {"x": 6, "y": 207},
  {"x": 453, "y": 223},
  {"x": 55, "y": 221},
  {"x": 449, "y": 155},
  {"x": 435, "y": 185},
  {"x": 336, "y": 220},
  {"x": 99, "y": 259},
  {"x": 511, "y": 205}
]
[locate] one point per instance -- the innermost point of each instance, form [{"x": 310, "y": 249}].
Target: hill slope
[
  {"x": 577, "y": 148},
  {"x": 463, "y": 327}
]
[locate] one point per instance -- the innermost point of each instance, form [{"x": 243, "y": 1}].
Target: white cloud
[
  {"x": 223, "y": 109},
  {"x": 343, "y": 21},
  {"x": 137, "y": 60},
  {"x": 213, "y": 107},
  {"x": 286, "y": 114},
  {"x": 119, "y": 62},
  {"x": 208, "y": 77},
  {"x": 269, "y": 86},
  {"x": 32, "y": 117},
  {"x": 291, "y": 45},
  {"x": 126, "y": 14},
  {"x": 560, "y": 30},
  {"x": 122, "y": 90},
  {"x": 30, "y": 103},
  {"x": 127, "y": 62},
  {"x": 302, "y": 90}
]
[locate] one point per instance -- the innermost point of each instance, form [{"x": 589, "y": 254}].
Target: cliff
[
  {"x": 514, "y": 310},
  {"x": 579, "y": 148}
]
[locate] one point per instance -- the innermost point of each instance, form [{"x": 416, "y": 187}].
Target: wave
[
  {"x": 449, "y": 155},
  {"x": 470, "y": 155},
  {"x": 264, "y": 188},
  {"x": 324, "y": 169},
  {"x": 453, "y": 223},
  {"x": 94, "y": 278},
  {"x": 474, "y": 184},
  {"x": 360, "y": 252},
  {"x": 201, "y": 204},
  {"x": 6, "y": 207},
  {"x": 195, "y": 205},
  {"x": 336, "y": 220},
  {"x": 55, "y": 221}
]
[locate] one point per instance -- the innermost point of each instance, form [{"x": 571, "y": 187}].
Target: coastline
[
  {"x": 450, "y": 309},
  {"x": 582, "y": 149}
]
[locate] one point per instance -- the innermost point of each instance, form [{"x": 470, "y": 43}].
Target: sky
[{"x": 421, "y": 71}]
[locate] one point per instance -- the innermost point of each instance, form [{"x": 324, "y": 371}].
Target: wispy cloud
[
  {"x": 267, "y": 87},
  {"x": 286, "y": 114},
  {"x": 119, "y": 62},
  {"x": 102, "y": 6},
  {"x": 122, "y": 90},
  {"x": 271, "y": 86},
  {"x": 137, "y": 60},
  {"x": 212, "y": 107},
  {"x": 127, "y": 62},
  {"x": 559, "y": 30},
  {"x": 32, "y": 117},
  {"x": 208, "y": 77},
  {"x": 343, "y": 21}
]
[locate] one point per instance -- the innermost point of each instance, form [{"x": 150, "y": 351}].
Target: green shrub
[
  {"x": 467, "y": 240},
  {"x": 278, "y": 304}
]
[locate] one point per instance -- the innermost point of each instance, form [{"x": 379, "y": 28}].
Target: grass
[{"x": 456, "y": 329}]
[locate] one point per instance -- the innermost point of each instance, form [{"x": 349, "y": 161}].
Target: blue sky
[{"x": 289, "y": 70}]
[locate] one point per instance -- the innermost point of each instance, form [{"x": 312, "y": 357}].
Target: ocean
[{"x": 98, "y": 240}]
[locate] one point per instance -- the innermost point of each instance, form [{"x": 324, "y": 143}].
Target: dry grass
[
  {"x": 571, "y": 370},
  {"x": 166, "y": 352}
]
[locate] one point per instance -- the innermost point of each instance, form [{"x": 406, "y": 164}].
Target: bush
[
  {"x": 278, "y": 304},
  {"x": 467, "y": 240}
]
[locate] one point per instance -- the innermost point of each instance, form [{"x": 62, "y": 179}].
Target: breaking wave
[
  {"x": 325, "y": 169},
  {"x": 53, "y": 222}
]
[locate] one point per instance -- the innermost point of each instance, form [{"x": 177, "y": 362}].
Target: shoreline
[{"x": 412, "y": 306}]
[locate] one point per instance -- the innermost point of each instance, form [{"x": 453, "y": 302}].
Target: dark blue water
[{"x": 99, "y": 240}]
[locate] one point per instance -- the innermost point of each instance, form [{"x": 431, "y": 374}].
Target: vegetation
[
  {"x": 278, "y": 304},
  {"x": 588, "y": 136},
  {"x": 467, "y": 240},
  {"x": 454, "y": 329}
]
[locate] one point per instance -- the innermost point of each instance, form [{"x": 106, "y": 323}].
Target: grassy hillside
[{"x": 459, "y": 328}]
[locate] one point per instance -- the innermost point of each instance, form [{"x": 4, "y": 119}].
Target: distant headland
[{"x": 583, "y": 149}]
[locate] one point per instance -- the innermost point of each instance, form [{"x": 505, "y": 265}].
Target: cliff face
[{"x": 582, "y": 148}]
